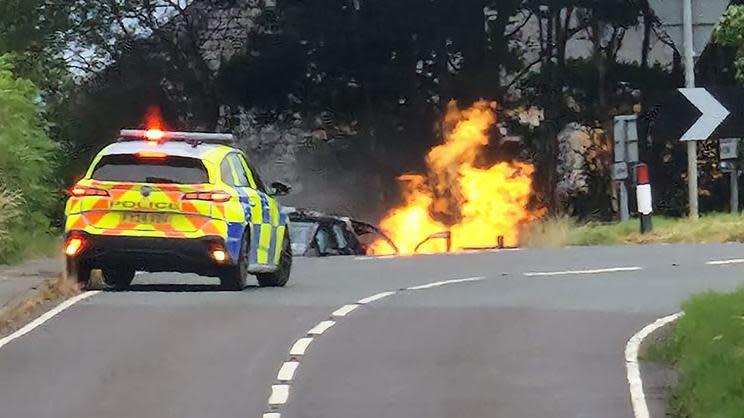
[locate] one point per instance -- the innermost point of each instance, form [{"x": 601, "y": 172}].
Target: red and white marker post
[{"x": 643, "y": 197}]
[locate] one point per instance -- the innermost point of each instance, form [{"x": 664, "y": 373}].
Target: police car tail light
[
  {"x": 74, "y": 246},
  {"x": 217, "y": 197},
  {"x": 81, "y": 191},
  {"x": 219, "y": 254}
]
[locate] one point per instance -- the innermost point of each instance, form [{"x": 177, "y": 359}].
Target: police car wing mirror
[{"x": 279, "y": 189}]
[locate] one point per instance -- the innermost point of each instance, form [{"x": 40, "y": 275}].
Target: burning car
[{"x": 315, "y": 234}]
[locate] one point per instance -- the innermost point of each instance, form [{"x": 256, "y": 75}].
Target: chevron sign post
[
  {"x": 698, "y": 114},
  {"x": 713, "y": 114}
]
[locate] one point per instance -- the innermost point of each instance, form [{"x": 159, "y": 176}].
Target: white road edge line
[
  {"x": 299, "y": 348},
  {"x": 46, "y": 317},
  {"x": 286, "y": 373},
  {"x": 725, "y": 262},
  {"x": 446, "y": 282},
  {"x": 279, "y": 394},
  {"x": 272, "y": 415},
  {"x": 374, "y": 298},
  {"x": 637, "y": 397},
  {"x": 344, "y": 310},
  {"x": 321, "y": 328},
  {"x": 580, "y": 272}
]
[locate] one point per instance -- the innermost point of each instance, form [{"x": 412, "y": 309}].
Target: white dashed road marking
[
  {"x": 299, "y": 348},
  {"x": 280, "y": 391},
  {"x": 279, "y": 394},
  {"x": 46, "y": 317},
  {"x": 344, "y": 310},
  {"x": 378, "y": 257},
  {"x": 637, "y": 397},
  {"x": 375, "y": 298},
  {"x": 446, "y": 282},
  {"x": 725, "y": 262},
  {"x": 321, "y": 328},
  {"x": 286, "y": 373},
  {"x": 582, "y": 272}
]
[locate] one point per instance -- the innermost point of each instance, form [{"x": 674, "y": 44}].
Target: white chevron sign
[{"x": 713, "y": 114}]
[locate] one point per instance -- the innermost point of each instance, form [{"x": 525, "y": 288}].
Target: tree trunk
[{"x": 647, "y": 27}]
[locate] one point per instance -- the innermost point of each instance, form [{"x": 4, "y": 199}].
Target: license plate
[{"x": 146, "y": 218}]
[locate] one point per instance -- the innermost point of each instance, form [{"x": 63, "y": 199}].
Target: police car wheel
[
  {"x": 117, "y": 279},
  {"x": 280, "y": 277},
  {"x": 78, "y": 271},
  {"x": 235, "y": 277}
]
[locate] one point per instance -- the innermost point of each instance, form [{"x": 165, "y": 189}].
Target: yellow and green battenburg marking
[{"x": 250, "y": 208}]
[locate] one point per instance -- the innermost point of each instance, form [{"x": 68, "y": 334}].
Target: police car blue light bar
[{"x": 158, "y": 135}]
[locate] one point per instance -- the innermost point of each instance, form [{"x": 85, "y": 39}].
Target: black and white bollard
[{"x": 643, "y": 197}]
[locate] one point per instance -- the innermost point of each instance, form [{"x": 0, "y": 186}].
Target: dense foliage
[
  {"x": 28, "y": 190},
  {"x": 730, "y": 32}
]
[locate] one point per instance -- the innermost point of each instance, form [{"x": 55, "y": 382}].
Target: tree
[
  {"x": 35, "y": 31},
  {"x": 730, "y": 32},
  {"x": 180, "y": 36},
  {"x": 27, "y": 161}
]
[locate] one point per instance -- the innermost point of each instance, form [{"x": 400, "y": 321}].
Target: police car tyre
[
  {"x": 117, "y": 278},
  {"x": 235, "y": 277},
  {"x": 280, "y": 277},
  {"x": 78, "y": 271}
]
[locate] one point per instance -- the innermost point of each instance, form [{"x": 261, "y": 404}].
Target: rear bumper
[{"x": 182, "y": 255}]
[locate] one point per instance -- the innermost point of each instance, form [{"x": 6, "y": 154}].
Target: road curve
[{"x": 542, "y": 335}]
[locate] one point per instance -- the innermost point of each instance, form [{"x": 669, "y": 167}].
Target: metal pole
[
  {"x": 624, "y": 211},
  {"x": 692, "y": 164},
  {"x": 735, "y": 191}
]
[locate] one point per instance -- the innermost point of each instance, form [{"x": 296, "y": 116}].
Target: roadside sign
[
  {"x": 626, "y": 139},
  {"x": 697, "y": 114},
  {"x": 728, "y": 166},
  {"x": 620, "y": 171},
  {"x": 626, "y": 151},
  {"x": 713, "y": 114},
  {"x": 729, "y": 148}
]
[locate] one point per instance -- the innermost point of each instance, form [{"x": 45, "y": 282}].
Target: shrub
[{"x": 27, "y": 187}]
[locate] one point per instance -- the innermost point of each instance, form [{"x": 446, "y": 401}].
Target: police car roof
[{"x": 173, "y": 148}]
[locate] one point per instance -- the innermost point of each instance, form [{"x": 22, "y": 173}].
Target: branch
[
  {"x": 223, "y": 24},
  {"x": 523, "y": 73},
  {"x": 520, "y": 26}
]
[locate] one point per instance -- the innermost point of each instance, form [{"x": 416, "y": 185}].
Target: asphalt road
[{"x": 542, "y": 335}]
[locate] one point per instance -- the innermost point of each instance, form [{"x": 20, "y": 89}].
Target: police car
[{"x": 178, "y": 202}]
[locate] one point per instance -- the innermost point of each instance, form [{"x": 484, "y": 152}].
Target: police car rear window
[{"x": 134, "y": 169}]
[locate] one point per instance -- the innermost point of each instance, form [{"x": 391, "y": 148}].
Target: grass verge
[
  {"x": 558, "y": 232},
  {"x": 50, "y": 294},
  {"x": 707, "y": 350},
  {"x": 27, "y": 245}
]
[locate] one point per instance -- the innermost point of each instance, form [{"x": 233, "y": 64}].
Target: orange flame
[
  {"x": 154, "y": 119},
  {"x": 458, "y": 200}
]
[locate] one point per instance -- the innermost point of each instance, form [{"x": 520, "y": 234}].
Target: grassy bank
[
  {"x": 51, "y": 294},
  {"x": 24, "y": 233},
  {"x": 19, "y": 246},
  {"x": 707, "y": 349},
  {"x": 557, "y": 232}
]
